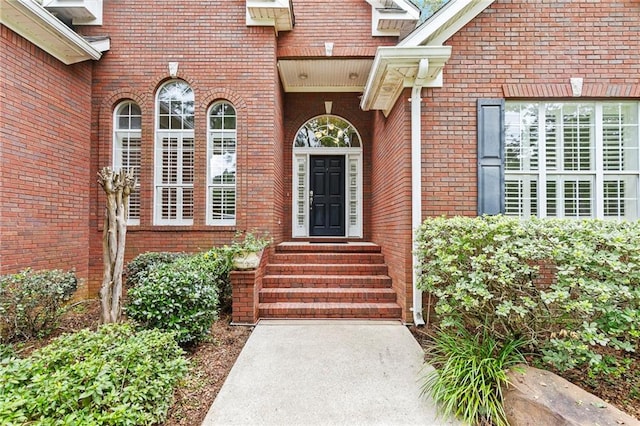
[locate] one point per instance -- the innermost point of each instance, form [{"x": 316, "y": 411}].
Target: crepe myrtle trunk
[{"x": 118, "y": 187}]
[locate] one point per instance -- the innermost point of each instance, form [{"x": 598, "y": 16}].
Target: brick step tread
[
  {"x": 330, "y": 310},
  {"x": 350, "y": 247},
  {"x": 326, "y": 268},
  {"x": 343, "y": 295},
  {"x": 324, "y": 258},
  {"x": 343, "y": 281}
]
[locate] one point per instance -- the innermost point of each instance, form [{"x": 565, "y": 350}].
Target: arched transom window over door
[{"x": 327, "y": 179}]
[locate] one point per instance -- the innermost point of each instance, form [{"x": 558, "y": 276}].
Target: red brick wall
[
  {"x": 391, "y": 196},
  {"x": 346, "y": 24},
  {"x": 221, "y": 58},
  {"x": 44, "y": 155},
  {"x": 520, "y": 49}
]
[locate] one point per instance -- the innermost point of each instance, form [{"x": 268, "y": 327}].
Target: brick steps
[
  {"x": 327, "y": 280},
  {"x": 358, "y": 281},
  {"x": 316, "y": 295},
  {"x": 326, "y": 269},
  {"x": 330, "y": 310}
]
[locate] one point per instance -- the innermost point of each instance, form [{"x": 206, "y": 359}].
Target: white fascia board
[
  {"x": 408, "y": 14},
  {"x": 445, "y": 22},
  {"x": 33, "y": 22}
]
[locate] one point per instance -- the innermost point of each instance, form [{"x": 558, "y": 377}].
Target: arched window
[
  {"x": 174, "y": 154},
  {"x": 221, "y": 155},
  {"x": 328, "y": 131},
  {"x": 127, "y": 150}
]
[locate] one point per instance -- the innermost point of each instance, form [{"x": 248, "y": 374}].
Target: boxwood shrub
[
  {"x": 181, "y": 296},
  {"x": 32, "y": 302},
  {"x": 114, "y": 376}
]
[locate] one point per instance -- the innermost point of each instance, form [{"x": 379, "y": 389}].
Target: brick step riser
[
  {"x": 320, "y": 312},
  {"x": 327, "y": 269},
  {"x": 320, "y": 297},
  {"x": 324, "y": 258},
  {"x": 355, "y": 281},
  {"x": 324, "y": 248}
]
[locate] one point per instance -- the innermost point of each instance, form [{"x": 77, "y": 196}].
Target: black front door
[{"x": 326, "y": 192}]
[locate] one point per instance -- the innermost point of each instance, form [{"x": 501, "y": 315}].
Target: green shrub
[
  {"x": 181, "y": 296},
  {"x": 484, "y": 272},
  {"x": 31, "y": 303},
  {"x": 111, "y": 376},
  {"x": 138, "y": 267},
  {"x": 470, "y": 371}
]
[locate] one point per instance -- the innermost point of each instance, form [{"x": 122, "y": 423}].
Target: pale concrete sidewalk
[{"x": 339, "y": 372}]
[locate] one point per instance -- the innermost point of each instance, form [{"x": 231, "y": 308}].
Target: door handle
[{"x": 311, "y": 200}]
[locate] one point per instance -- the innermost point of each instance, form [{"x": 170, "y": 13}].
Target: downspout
[{"x": 416, "y": 182}]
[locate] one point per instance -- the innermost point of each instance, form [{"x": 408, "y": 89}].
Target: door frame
[{"x": 300, "y": 190}]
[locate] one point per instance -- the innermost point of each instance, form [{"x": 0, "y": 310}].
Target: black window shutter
[{"x": 490, "y": 156}]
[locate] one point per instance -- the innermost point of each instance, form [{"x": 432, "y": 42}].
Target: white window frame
[
  {"x": 183, "y": 139},
  {"x": 225, "y": 134},
  {"x": 596, "y": 175},
  {"x": 130, "y": 133}
]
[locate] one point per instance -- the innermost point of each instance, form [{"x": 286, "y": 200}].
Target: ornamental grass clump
[{"x": 470, "y": 372}]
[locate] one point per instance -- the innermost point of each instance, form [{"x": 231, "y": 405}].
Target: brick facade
[
  {"x": 60, "y": 124},
  {"x": 45, "y": 130}
]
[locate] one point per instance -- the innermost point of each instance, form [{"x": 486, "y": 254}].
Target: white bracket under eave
[
  {"x": 270, "y": 13},
  {"x": 393, "y": 17}
]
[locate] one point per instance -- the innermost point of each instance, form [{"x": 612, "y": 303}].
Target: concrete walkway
[{"x": 312, "y": 372}]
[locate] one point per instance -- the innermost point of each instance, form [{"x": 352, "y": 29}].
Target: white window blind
[
  {"x": 222, "y": 155},
  {"x": 175, "y": 155},
  {"x": 127, "y": 150},
  {"x": 589, "y": 165}
]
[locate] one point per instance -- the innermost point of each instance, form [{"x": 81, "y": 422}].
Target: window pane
[
  {"x": 620, "y": 136},
  {"x": 621, "y": 197},
  {"x": 578, "y": 137},
  {"x": 327, "y": 131},
  {"x": 577, "y": 198},
  {"x": 127, "y": 150},
  {"x": 222, "y": 163},
  {"x": 176, "y": 106},
  {"x": 521, "y": 137}
]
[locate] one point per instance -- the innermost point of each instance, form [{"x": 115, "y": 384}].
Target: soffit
[
  {"x": 31, "y": 21},
  {"x": 324, "y": 74},
  {"x": 396, "y": 68}
]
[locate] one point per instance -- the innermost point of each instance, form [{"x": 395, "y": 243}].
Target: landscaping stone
[{"x": 540, "y": 397}]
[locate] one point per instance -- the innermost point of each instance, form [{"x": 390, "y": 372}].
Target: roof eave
[
  {"x": 33, "y": 22},
  {"x": 448, "y": 20}
]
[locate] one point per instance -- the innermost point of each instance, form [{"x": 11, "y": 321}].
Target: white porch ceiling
[{"x": 324, "y": 75}]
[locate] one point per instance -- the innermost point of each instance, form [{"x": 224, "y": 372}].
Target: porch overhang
[
  {"x": 324, "y": 74},
  {"x": 33, "y": 22},
  {"x": 396, "y": 68}
]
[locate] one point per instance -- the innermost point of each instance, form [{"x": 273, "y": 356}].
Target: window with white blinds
[
  {"x": 174, "y": 154},
  {"x": 574, "y": 160},
  {"x": 127, "y": 150},
  {"x": 221, "y": 154}
]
